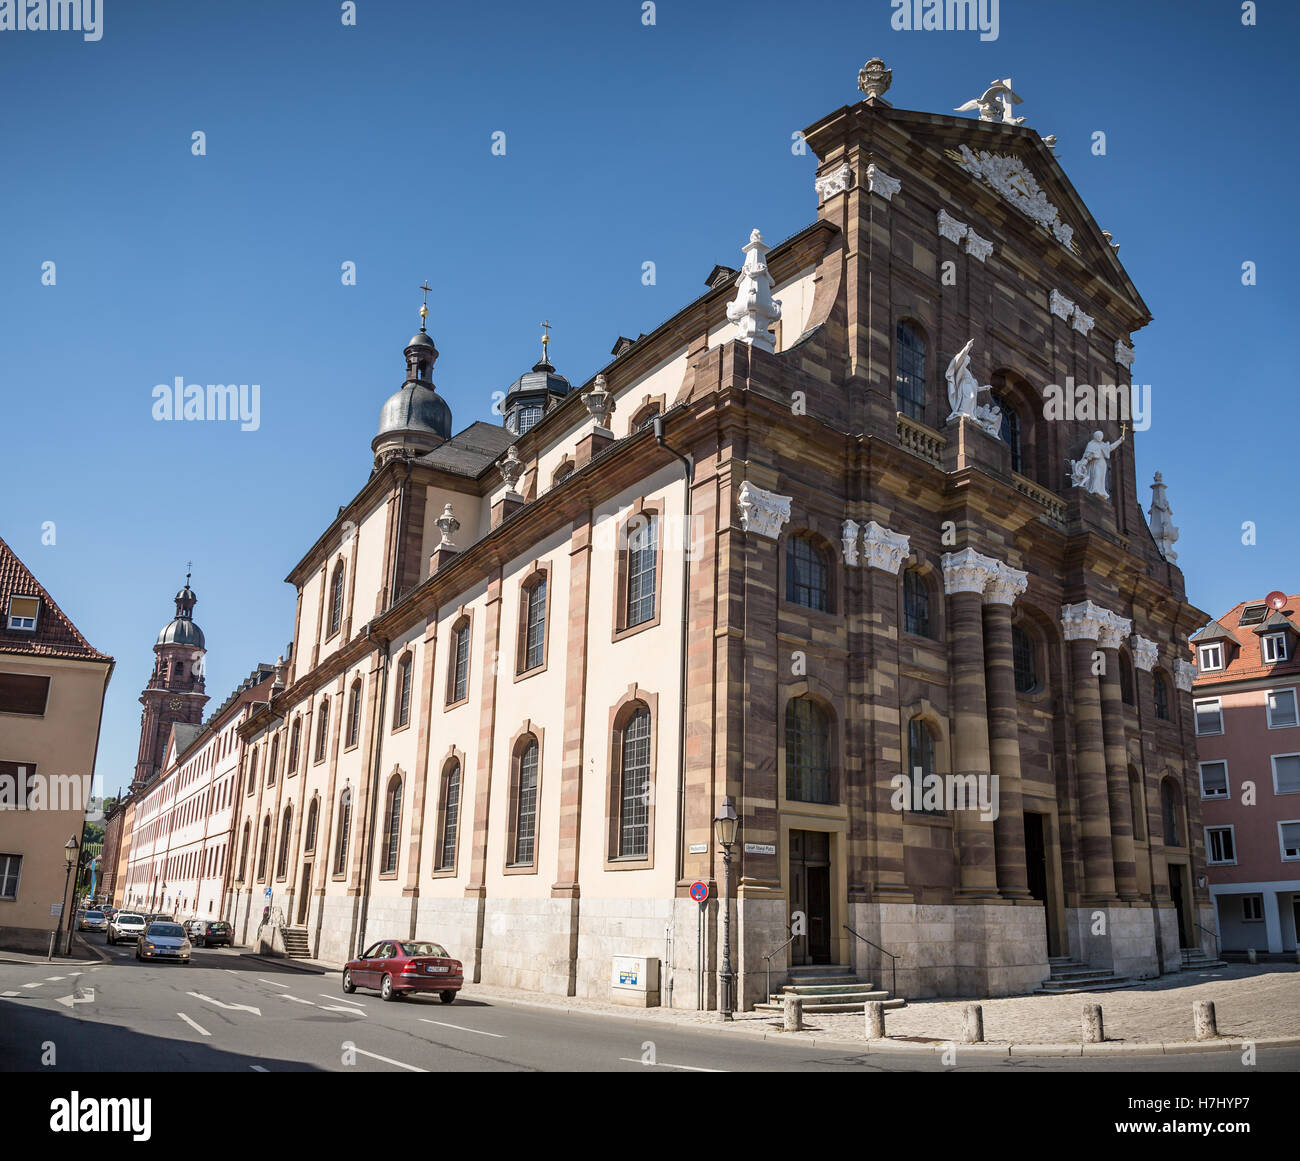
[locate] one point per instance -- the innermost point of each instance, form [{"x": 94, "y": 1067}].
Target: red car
[{"x": 399, "y": 966}]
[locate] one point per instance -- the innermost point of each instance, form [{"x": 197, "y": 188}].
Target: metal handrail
[
  {"x": 1211, "y": 935},
  {"x": 768, "y": 957},
  {"x": 893, "y": 967}
]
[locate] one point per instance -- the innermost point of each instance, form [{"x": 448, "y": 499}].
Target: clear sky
[{"x": 625, "y": 144}]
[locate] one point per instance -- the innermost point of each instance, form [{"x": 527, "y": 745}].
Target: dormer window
[
  {"x": 1253, "y": 614},
  {"x": 1273, "y": 648},
  {"x": 23, "y": 612},
  {"x": 1209, "y": 657},
  {"x": 528, "y": 417}
]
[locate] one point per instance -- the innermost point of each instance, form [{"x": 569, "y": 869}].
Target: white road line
[
  {"x": 197, "y": 1027},
  {"x": 345, "y": 1011},
  {"x": 299, "y": 1000},
  {"x": 340, "y": 999},
  {"x": 10, "y": 995},
  {"x": 51, "y": 979},
  {"x": 35, "y": 985},
  {"x": 73, "y": 974},
  {"x": 271, "y": 982},
  {"x": 657, "y": 1064},
  {"x": 257, "y": 1068},
  {"x": 459, "y": 1028},
  {"x": 385, "y": 1059},
  {"x": 228, "y": 1007}
]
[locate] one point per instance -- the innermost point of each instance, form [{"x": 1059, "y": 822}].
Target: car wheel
[
  {"x": 386, "y": 989},
  {"x": 446, "y": 997},
  {"x": 348, "y": 985}
]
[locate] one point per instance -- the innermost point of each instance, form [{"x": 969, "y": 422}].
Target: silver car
[
  {"x": 93, "y": 921},
  {"x": 163, "y": 941},
  {"x": 125, "y": 925}
]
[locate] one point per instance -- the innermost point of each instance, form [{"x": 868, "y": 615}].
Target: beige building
[{"x": 52, "y": 686}]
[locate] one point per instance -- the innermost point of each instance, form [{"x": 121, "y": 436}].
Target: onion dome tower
[
  {"x": 416, "y": 419},
  {"x": 533, "y": 393}
]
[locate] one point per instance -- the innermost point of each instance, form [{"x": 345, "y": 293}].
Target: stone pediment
[{"x": 1013, "y": 179}]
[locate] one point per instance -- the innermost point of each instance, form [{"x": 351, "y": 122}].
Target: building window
[
  {"x": 354, "y": 714},
  {"x": 450, "y": 816},
  {"x": 336, "y": 600},
  {"x": 1210, "y": 657},
  {"x": 1252, "y": 908},
  {"x": 525, "y": 820},
  {"x": 1218, "y": 845},
  {"x": 1023, "y": 660},
  {"x": 270, "y": 766},
  {"x": 527, "y": 417},
  {"x": 1281, "y": 708},
  {"x": 642, "y": 562},
  {"x": 910, "y": 380},
  {"x": 345, "y": 826},
  {"x": 23, "y": 612},
  {"x": 634, "y": 787},
  {"x": 322, "y": 730},
  {"x": 1135, "y": 805},
  {"x": 24, "y": 693},
  {"x": 562, "y": 473},
  {"x": 10, "y": 866},
  {"x": 645, "y": 417},
  {"x": 1160, "y": 694},
  {"x": 1010, "y": 432},
  {"x": 1273, "y": 648},
  {"x": 807, "y": 574},
  {"x": 294, "y": 734},
  {"x": 263, "y": 847},
  {"x": 393, "y": 815},
  {"x": 1169, "y": 809},
  {"x": 532, "y": 646},
  {"x": 458, "y": 673},
  {"x": 243, "y": 852},
  {"x": 1209, "y": 716},
  {"x": 286, "y": 825},
  {"x": 1286, "y": 773},
  {"x": 920, "y": 761},
  {"x": 1289, "y": 837},
  {"x": 252, "y": 770},
  {"x": 1125, "y": 681},
  {"x": 1214, "y": 779},
  {"x": 309, "y": 835},
  {"x": 402, "y": 710},
  {"x": 916, "y": 604},
  {"x": 807, "y": 752}
]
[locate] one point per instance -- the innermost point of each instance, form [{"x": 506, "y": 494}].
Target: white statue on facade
[
  {"x": 1161, "y": 519},
  {"x": 754, "y": 309},
  {"x": 964, "y": 391},
  {"x": 1089, "y": 471},
  {"x": 995, "y": 103}
]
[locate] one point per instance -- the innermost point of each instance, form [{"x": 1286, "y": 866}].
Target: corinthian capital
[
  {"x": 884, "y": 549},
  {"x": 967, "y": 571},
  {"x": 1005, "y": 585},
  {"x": 1146, "y": 653},
  {"x": 1113, "y": 630},
  {"x": 1184, "y": 674},
  {"x": 1083, "y": 621}
]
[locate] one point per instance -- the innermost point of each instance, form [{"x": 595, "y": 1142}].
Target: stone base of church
[{"x": 1121, "y": 940}]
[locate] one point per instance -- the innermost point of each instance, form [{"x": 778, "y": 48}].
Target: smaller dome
[
  {"x": 542, "y": 377},
  {"x": 422, "y": 339},
  {"x": 417, "y": 408},
  {"x": 181, "y": 631}
]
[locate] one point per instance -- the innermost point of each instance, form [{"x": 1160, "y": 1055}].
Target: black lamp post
[
  {"x": 725, "y": 823},
  {"x": 70, "y": 849}
]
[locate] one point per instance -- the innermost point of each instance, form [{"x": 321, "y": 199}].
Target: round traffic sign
[{"x": 699, "y": 891}]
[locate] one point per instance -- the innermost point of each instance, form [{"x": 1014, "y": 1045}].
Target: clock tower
[{"x": 175, "y": 689}]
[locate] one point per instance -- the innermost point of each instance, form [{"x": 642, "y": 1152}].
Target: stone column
[
  {"x": 1004, "y": 731},
  {"x": 1146, "y": 656},
  {"x": 1112, "y": 632},
  {"x": 1081, "y": 624},
  {"x": 965, "y": 576}
]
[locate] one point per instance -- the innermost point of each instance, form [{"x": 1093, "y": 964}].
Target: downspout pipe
[{"x": 376, "y": 768}]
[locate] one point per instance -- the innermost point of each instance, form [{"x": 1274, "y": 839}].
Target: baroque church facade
[{"x": 780, "y": 551}]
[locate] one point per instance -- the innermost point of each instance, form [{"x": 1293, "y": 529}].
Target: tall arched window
[
  {"x": 345, "y": 827},
  {"x": 524, "y": 839},
  {"x": 393, "y": 825},
  {"x": 243, "y": 851},
  {"x": 322, "y": 730},
  {"x": 309, "y": 832},
  {"x": 1024, "y": 660},
  {"x": 263, "y": 847},
  {"x": 336, "y": 599},
  {"x": 294, "y": 733},
  {"x": 402, "y": 704},
  {"x": 916, "y": 604},
  {"x": 286, "y": 825},
  {"x": 270, "y": 766},
  {"x": 1169, "y": 809},
  {"x": 450, "y": 816},
  {"x": 807, "y": 574},
  {"x": 354, "y": 713},
  {"x": 458, "y": 671},
  {"x": 920, "y": 762},
  {"x": 1160, "y": 694},
  {"x": 807, "y": 752},
  {"x": 642, "y": 562},
  {"x": 1125, "y": 680},
  {"x": 252, "y": 769},
  {"x": 1135, "y": 804},
  {"x": 910, "y": 378},
  {"x": 532, "y": 623},
  {"x": 634, "y": 786}
]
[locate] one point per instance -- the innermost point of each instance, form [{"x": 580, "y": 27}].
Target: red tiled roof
[
  {"x": 1247, "y": 661},
  {"x": 55, "y": 635}
]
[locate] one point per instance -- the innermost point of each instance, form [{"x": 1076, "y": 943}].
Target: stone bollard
[
  {"x": 793, "y": 1013},
  {"x": 875, "y": 1010},
  {"x": 972, "y": 1026},
  {"x": 1251, "y": 957},
  {"x": 1203, "y": 1020},
  {"x": 1297, "y": 955},
  {"x": 1093, "y": 1031}
]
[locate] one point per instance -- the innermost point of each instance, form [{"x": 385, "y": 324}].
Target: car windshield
[
  {"x": 123, "y": 917},
  {"x": 94, "y": 915},
  {"x": 424, "y": 949},
  {"x": 218, "y": 926},
  {"x": 165, "y": 931}
]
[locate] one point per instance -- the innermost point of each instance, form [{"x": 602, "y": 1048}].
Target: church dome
[
  {"x": 416, "y": 409},
  {"x": 181, "y": 631},
  {"x": 542, "y": 379}
]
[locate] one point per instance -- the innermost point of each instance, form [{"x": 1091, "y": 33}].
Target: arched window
[
  {"x": 294, "y": 734},
  {"x": 910, "y": 378},
  {"x": 354, "y": 713},
  {"x": 532, "y": 623},
  {"x": 263, "y": 847},
  {"x": 402, "y": 705},
  {"x": 807, "y": 752},
  {"x": 458, "y": 670},
  {"x": 322, "y": 730},
  {"x": 270, "y": 766},
  {"x": 345, "y": 826},
  {"x": 634, "y": 786},
  {"x": 644, "y": 417},
  {"x": 1125, "y": 680},
  {"x": 243, "y": 851},
  {"x": 807, "y": 574},
  {"x": 1010, "y": 432},
  {"x": 309, "y": 833},
  {"x": 336, "y": 599},
  {"x": 916, "y": 604},
  {"x": 252, "y": 770},
  {"x": 1135, "y": 804},
  {"x": 920, "y": 764},
  {"x": 1024, "y": 660},
  {"x": 562, "y": 473},
  {"x": 450, "y": 816},
  {"x": 1169, "y": 808},
  {"x": 524, "y": 838},
  {"x": 393, "y": 828},
  {"x": 641, "y": 563},
  {"x": 1160, "y": 694},
  {"x": 286, "y": 825}
]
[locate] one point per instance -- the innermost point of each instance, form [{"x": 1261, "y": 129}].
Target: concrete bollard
[
  {"x": 793, "y": 1013},
  {"x": 1093, "y": 1030},
  {"x": 972, "y": 1026},
  {"x": 1251, "y": 957},
  {"x": 1203, "y": 1021},
  {"x": 875, "y": 1012}
]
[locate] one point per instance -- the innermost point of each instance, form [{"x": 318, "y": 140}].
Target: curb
[{"x": 295, "y": 965}]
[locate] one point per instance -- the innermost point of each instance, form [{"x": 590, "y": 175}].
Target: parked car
[
  {"x": 399, "y": 966},
  {"x": 92, "y": 921},
  {"x": 125, "y": 925},
  {"x": 164, "y": 941},
  {"x": 159, "y": 917},
  {"x": 211, "y": 933}
]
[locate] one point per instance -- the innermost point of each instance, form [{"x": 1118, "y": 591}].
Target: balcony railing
[{"x": 921, "y": 440}]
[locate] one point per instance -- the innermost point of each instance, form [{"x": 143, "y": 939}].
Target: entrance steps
[
  {"x": 296, "y": 943},
  {"x": 1070, "y": 976},
  {"x": 1195, "y": 960},
  {"x": 828, "y": 988}
]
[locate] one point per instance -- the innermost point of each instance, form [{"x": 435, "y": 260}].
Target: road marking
[
  {"x": 656, "y": 1064},
  {"x": 73, "y": 975},
  {"x": 10, "y": 995},
  {"x": 197, "y": 1027},
  {"x": 459, "y": 1028},
  {"x": 340, "y": 999},
  {"x": 299, "y": 1000},
  {"x": 78, "y": 997},
  {"x": 271, "y": 982},
  {"x": 345, "y": 1011},
  {"x": 228, "y": 1007},
  {"x": 385, "y": 1059},
  {"x": 35, "y": 985},
  {"x": 257, "y": 1068},
  {"x": 51, "y": 979}
]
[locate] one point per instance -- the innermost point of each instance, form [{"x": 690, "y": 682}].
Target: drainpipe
[{"x": 374, "y": 798}]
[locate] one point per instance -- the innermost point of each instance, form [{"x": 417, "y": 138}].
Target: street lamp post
[
  {"x": 69, "y": 857},
  {"x": 725, "y": 823}
]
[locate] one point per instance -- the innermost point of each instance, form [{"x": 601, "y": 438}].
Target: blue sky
[{"x": 624, "y": 144}]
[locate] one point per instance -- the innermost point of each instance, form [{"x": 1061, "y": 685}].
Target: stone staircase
[
  {"x": 1196, "y": 960},
  {"x": 827, "y": 988},
  {"x": 296, "y": 944},
  {"x": 1069, "y": 976}
]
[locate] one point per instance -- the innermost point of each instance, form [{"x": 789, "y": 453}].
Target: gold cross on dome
[
  {"x": 546, "y": 338},
  {"x": 424, "y": 309}
]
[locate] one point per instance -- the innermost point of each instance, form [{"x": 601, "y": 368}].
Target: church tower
[{"x": 175, "y": 689}]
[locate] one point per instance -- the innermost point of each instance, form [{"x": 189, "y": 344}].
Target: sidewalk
[{"x": 82, "y": 952}]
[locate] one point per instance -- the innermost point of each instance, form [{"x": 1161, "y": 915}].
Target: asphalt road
[{"x": 226, "y": 1012}]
